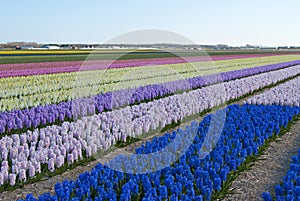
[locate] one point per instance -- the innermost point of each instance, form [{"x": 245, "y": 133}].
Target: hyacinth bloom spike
[{"x": 12, "y": 179}]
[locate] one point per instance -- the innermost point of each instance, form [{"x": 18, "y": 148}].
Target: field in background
[
  {"x": 29, "y": 56},
  {"x": 61, "y": 109}
]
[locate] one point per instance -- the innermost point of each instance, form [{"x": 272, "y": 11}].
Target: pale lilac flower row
[
  {"x": 57, "y": 145},
  {"x": 284, "y": 94}
]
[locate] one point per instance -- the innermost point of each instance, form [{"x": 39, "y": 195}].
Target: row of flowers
[
  {"x": 49, "y": 114},
  {"x": 284, "y": 94},
  {"x": 198, "y": 174},
  {"x": 112, "y": 74},
  {"x": 289, "y": 188},
  {"x": 53, "y": 146},
  {"x": 33, "y": 91},
  {"x": 27, "y": 69}
]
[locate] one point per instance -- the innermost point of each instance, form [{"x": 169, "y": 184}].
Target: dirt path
[{"x": 270, "y": 170}]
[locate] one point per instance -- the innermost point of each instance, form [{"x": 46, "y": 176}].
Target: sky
[{"x": 232, "y": 22}]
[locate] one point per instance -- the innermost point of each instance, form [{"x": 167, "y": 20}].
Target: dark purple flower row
[{"x": 20, "y": 120}]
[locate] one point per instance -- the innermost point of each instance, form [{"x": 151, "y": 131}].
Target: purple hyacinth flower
[
  {"x": 31, "y": 171},
  {"x": 60, "y": 160},
  {"x": 12, "y": 179},
  {"x": 70, "y": 159},
  {"x": 1, "y": 179},
  {"x": 51, "y": 166},
  {"x": 22, "y": 175}
]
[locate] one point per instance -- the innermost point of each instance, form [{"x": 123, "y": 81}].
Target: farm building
[{"x": 51, "y": 47}]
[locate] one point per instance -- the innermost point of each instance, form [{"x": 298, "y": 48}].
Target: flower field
[
  {"x": 190, "y": 178},
  {"x": 212, "y": 116},
  {"x": 71, "y": 66},
  {"x": 108, "y": 101}
]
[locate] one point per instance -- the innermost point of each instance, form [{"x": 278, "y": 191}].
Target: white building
[{"x": 51, "y": 47}]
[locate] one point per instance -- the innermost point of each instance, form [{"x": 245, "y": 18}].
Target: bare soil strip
[{"x": 269, "y": 169}]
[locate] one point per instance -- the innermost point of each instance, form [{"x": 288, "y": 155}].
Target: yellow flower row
[{"x": 33, "y": 52}]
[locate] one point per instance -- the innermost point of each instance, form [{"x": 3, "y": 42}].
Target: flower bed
[
  {"x": 27, "y": 69},
  {"x": 54, "y": 146},
  {"x": 191, "y": 177},
  {"x": 33, "y": 91},
  {"x": 40, "y": 116},
  {"x": 283, "y": 94}
]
